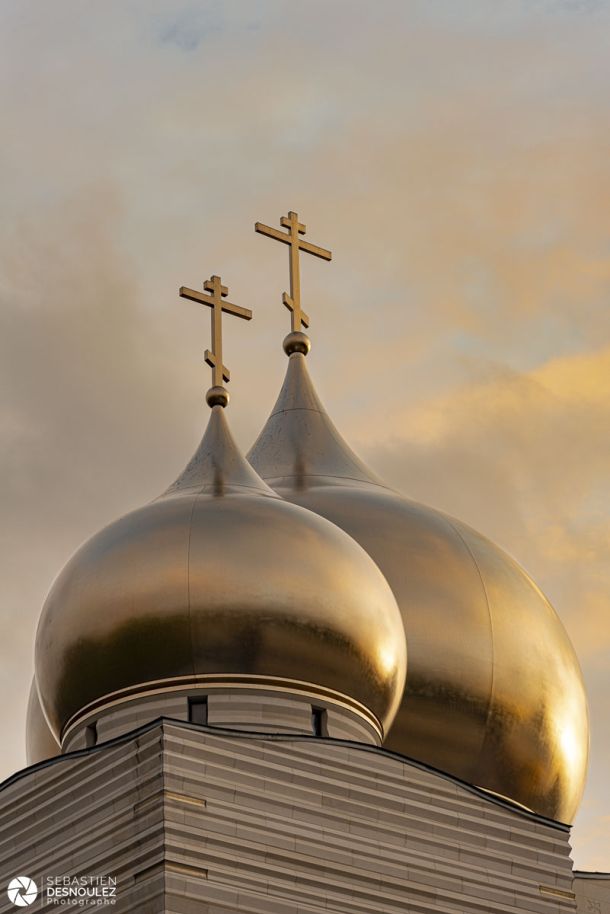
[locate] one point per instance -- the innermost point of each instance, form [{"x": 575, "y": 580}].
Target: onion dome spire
[
  {"x": 299, "y": 442},
  {"x": 217, "y": 466},
  {"x": 219, "y": 591},
  {"x": 494, "y": 693}
]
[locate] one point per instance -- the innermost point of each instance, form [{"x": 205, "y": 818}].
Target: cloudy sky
[{"x": 454, "y": 156}]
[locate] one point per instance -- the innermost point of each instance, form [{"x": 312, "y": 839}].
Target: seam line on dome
[
  {"x": 302, "y": 409},
  {"x": 204, "y": 490},
  {"x": 368, "y": 482},
  {"x": 188, "y": 579},
  {"x": 491, "y": 629}
]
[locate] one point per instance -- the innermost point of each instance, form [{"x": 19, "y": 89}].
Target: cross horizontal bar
[
  {"x": 290, "y": 305},
  {"x": 209, "y": 286},
  {"x": 227, "y": 306},
  {"x": 286, "y": 238},
  {"x": 263, "y": 229},
  {"x": 315, "y": 250},
  {"x": 210, "y": 358}
]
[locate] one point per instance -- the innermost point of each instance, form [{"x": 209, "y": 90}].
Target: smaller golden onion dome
[
  {"x": 220, "y": 581},
  {"x": 494, "y": 693},
  {"x": 40, "y": 743}
]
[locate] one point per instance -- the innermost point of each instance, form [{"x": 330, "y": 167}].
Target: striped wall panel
[{"x": 192, "y": 819}]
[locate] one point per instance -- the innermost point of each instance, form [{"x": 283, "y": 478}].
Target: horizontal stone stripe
[{"x": 195, "y": 820}]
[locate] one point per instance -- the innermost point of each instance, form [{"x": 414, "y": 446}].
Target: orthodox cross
[
  {"x": 217, "y": 302},
  {"x": 291, "y": 237}
]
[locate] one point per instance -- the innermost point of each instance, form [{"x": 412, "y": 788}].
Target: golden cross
[
  {"x": 217, "y": 303},
  {"x": 291, "y": 237}
]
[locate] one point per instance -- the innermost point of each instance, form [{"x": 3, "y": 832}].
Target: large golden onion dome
[
  {"x": 494, "y": 692},
  {"x": 220, "y": 582}
]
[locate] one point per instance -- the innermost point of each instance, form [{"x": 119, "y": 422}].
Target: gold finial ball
[
  {"x": 217, "y": 396},
  {"x": 297, "y": 342}
]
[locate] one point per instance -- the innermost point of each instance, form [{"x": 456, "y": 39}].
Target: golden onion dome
[
  {"x": 220, "y": 581},
  {"x": 40, "y": 743},
  {"x": 494, "y": 692}
]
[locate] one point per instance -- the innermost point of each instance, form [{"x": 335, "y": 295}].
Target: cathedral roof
[
  {"x": 302, "y": 571},
  {"x": 219, "y": 582}
]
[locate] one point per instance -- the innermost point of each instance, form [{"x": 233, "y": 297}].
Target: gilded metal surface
[
  {"x": 494, "y": 692},
  {"x": 291, "y": 237},
  {"x": 297, "y": 342},
  {"x": 216, "y": 300},
  {"x": 219, "y": 576},
  {"x": 40, "y": 744}
]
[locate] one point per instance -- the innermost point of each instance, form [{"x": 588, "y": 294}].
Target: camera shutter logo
[{"x": 22, "y": 891}]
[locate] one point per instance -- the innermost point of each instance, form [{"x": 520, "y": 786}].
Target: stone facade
[
  {"x": 194, "y": 820},
  {"x": 244, "y": 709},
  {"x": 592, "y": 892}
]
